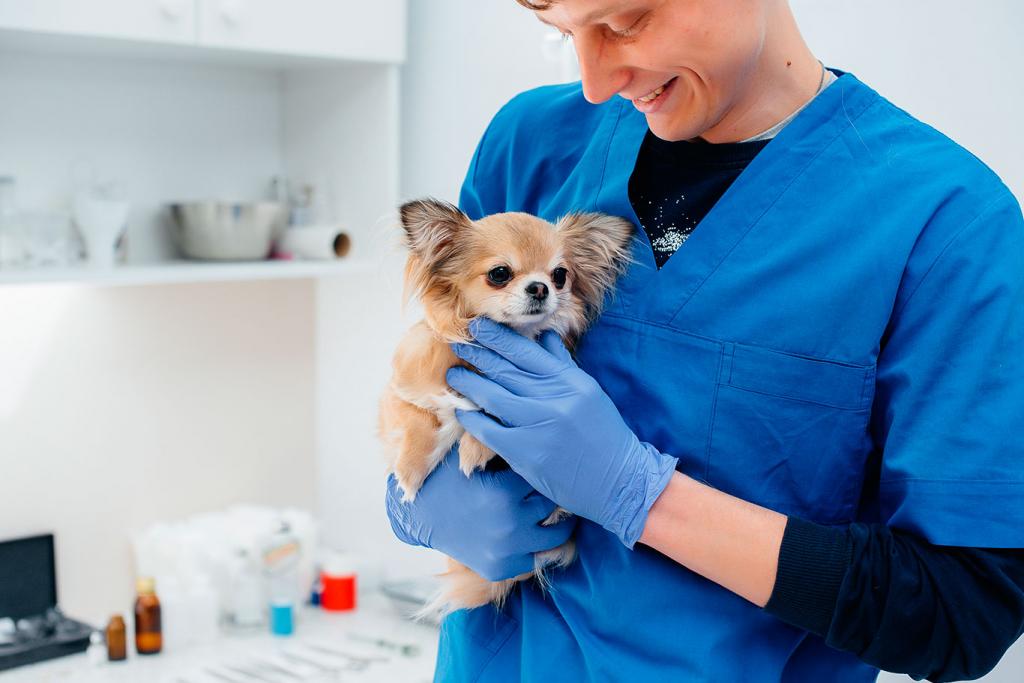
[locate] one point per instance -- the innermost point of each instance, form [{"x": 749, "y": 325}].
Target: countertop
[{"x": 317, "y": 652}]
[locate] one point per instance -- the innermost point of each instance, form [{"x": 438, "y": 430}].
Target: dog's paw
[
  {"x": 409, "y": 482},
  {"x": 469, "y": 468},
  {"x": 473, "y": 455}
]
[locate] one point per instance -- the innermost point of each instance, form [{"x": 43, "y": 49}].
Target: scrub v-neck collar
[{"x": 660, "y": 295}]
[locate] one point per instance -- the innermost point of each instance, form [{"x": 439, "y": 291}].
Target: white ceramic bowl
[{"x": 227, "y": 231}]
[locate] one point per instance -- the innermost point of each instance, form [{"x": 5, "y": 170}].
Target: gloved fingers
[
  {"x": 539, "y": 538},
  {"x": 537, "y": 506},
  {"x": 485, "y": 360},
  {"x": 498, "y": 369},
  {"x": 524, "y": 353},
  {"x": 391, "y": 492},
  {"x": 397, "y": 515},
  {"x": 517, "y": 488},
  {"x": 495, "y": 399},
  {"x": 506, "y": 568},
  {"x": 553, "y": 344},
  {"x": 487, "y": 430}
]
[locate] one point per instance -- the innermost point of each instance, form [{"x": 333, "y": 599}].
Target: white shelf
[
  {"x": 184, "y": 272},
  {"x": 49, "y": 43}
]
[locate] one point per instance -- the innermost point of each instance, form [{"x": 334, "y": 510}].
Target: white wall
[
  {"x": 952, "y": 64},
  {"x": 123, "y": 406},
  {"x": 466, "y": 59},
  {"x": 955, "y": 65}
]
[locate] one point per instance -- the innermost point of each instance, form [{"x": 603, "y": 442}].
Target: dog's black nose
[{"x": 538, "y": 290}]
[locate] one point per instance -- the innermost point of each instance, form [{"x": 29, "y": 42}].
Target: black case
[{"x": 28, "y": 590}]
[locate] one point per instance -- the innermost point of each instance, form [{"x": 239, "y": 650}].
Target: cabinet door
[
  {"x": 172, "y": 21},
  {"x": 371, "y": 30}
]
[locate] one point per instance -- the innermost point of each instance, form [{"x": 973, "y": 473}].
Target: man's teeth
[{"x": 652, "y": 95}]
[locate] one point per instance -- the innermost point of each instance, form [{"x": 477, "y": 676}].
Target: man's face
[{"x": 702, "y": 52}]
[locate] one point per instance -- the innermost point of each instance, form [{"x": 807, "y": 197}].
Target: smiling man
[
  {"x": 790, "y": 436},
  {"x": 721, "y": 71}
]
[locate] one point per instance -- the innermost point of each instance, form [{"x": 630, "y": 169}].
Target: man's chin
[{"x": 671, "y": 128}]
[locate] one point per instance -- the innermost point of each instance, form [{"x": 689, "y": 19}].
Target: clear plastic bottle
[
  {"x": 282, "y": 553},
  {"x": 12, "y": 238},
  {"x": 246, "y": 600}
]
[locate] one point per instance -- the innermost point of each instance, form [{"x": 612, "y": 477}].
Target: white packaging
[
  {"x": 204, "y": 610},
  {"x": 314, "y": 242},
  {"x": 175, "y": 627}
]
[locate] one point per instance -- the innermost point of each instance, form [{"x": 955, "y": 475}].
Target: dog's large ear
[
  {"x": 598, "y": 249},
  {"x": 431, "y": 227}
]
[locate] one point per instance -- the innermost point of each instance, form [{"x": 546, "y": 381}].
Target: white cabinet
[
  {"x": 162, "y": 21},
  {"x": 370, "y": 30},
  {"x": 350, "y": 30}
]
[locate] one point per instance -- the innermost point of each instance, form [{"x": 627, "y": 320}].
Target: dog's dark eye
[
  {"x": 558, "y": 277},
  {"x": 500, "y": 275}
]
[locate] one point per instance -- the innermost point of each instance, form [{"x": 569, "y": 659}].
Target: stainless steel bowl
[{"x": 227, "y": 231}]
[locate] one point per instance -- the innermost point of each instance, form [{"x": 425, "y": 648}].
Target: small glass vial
[
  {"x": 97, "y": 651},
  {"x": 117, "y": 639},
  {"x": 148, "y": 632}
]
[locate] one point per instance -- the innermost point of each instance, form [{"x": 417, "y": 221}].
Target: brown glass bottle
[
  {"x": 148, "y": 634},
  {"x": 117, "y": 639}
]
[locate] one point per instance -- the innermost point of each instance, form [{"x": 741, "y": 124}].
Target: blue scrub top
[{"x": 840, "y": 339}]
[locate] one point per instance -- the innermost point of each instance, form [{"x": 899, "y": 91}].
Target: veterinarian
[{"x": 791, "y": 439}]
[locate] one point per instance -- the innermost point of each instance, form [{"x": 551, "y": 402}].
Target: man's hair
[{"x": 538, "y": 6}]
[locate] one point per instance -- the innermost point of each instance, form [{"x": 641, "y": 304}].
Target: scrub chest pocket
[
  {"x": 791, "y": 433},
  {"x": 784, "y": 431}
]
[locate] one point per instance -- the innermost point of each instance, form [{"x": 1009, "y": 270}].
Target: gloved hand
[
  {"x": 489, "y": 522},
  {"x": 558, "y": 428}
]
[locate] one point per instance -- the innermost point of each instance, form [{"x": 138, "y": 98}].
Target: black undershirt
[
  {"x": 675, "y": 184},
  {"x": 889, "y": 597}
]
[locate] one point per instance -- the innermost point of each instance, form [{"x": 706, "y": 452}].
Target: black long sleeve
[{"x": 898, "y": 602}]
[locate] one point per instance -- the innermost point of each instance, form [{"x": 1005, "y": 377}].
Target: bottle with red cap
[{"x": 338, "y": 582}]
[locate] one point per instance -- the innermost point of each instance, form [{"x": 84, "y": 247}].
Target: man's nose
[{"x": 600, "y": 72}]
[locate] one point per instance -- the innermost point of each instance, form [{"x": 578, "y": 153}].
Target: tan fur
[{"x": 449, "y": 259}]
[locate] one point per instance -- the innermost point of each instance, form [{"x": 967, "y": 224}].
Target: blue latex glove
[
  {"x": 489, "y": 522},
  {"x": 558, "y": 428}
]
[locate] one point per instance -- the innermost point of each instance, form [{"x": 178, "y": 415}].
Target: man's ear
[{"x": 431, "y": 227}]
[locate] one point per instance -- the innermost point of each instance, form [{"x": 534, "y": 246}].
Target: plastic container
[
  {"x": 246, "y": 601},
  {"x": 282, "y": 618},
  {"x": 338, "y": 578},
  {"x": 13, "y": 250},
  {"x": 282, "y": 554}
]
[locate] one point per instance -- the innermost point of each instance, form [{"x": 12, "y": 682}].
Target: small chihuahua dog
[{"x": 515, "y": 269}]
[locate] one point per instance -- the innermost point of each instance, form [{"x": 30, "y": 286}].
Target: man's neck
[{"x": 786, "y": 77}]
